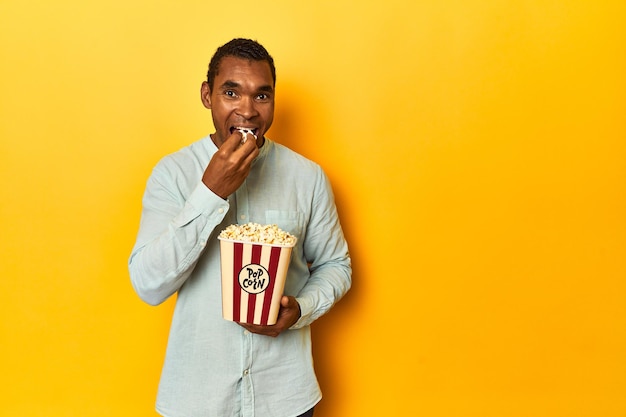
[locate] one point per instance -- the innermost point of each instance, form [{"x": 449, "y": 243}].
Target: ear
[{"x": 205, "y": 95}]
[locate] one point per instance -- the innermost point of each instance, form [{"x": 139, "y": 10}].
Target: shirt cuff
[{"x": 306, "y": 309}]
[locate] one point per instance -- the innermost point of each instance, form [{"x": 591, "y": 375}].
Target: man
[{"x": 215, "y": 367}]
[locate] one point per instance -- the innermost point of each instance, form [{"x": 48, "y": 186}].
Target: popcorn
[
  {"x": 257, "y": 233},
  {"x": 244, "y": 131}
]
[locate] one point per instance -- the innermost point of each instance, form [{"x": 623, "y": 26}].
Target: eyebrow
[
  {"x": 233, "y": 84},
  {"x": 230, "y": 84}
]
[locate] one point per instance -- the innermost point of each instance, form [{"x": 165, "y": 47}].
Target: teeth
[{"x": 244, "y": 131}]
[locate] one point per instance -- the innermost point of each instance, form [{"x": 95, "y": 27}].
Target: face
[{"x": 242, "y": 96}]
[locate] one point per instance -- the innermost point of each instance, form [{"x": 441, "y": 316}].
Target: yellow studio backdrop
[{"x": 477, "y": 150}]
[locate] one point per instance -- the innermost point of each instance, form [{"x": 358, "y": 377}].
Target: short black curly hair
[{"x": 239, "y": 48}]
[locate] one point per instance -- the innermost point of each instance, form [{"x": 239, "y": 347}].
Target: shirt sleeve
[
  {"x": 173, "y": 233},
  {"x": 326, "y": 250}
]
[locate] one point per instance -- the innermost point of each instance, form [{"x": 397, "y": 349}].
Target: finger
[
  {"x": 247, "y": 152},
  {"x": 232, "y": 142},
  {"x": 254, "y": 152},
  {"x": 246, "y": 326},
  {"x": 284, "y": 301},
  {"x": 271, "y": 331},
  {"x": 244, "y": 153},
  {"x": 251, "y": 328}
]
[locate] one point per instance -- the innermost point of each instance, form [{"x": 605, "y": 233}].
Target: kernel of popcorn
[
  {"x": 244, "y": 131},
  {"x": 257, "y": 233}
]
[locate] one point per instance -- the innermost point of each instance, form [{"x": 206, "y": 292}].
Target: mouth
[{"x": 245, "y": 131}]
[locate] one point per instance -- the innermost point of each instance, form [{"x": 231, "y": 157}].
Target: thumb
[{"x": 284, "y": 301}]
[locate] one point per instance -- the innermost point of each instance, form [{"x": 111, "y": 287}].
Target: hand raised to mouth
[{"x": 230, "y": 165}]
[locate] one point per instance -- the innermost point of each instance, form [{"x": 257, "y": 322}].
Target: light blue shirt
[{"x": 214, "y": 367}]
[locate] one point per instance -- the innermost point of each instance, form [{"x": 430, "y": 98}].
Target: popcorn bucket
[{"x": 253, "y": 279}]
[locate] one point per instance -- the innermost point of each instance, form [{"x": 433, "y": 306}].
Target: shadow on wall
[
  {"x": 294, "y": 128},
  {"x": 293, "y": 124}
]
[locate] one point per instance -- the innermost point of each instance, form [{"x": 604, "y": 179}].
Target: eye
[
  {"x": 230, "y": 93},
  {"x": 263, "y": 97}
]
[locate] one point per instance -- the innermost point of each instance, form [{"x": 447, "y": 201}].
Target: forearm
[
  {"x": 324, "y": 288},
  {"x": 169, "y": 243}
]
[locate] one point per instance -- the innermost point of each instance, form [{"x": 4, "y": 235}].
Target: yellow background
[{"x": 478, "y": 154}]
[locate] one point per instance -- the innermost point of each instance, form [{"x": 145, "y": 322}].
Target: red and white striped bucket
[{"x": 253, "y": 280}]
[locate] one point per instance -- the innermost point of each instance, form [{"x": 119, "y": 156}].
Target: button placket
[
  {"x": 247, "y": 393},
  {"x": 242, "y": 203}
]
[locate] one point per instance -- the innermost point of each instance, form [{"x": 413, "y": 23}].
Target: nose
[{"x": 247, "y": 108}]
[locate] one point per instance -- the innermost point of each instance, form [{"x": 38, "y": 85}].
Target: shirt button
[
  {"x": 220, "y": 210},
  {"x": 243, "y": 216},
  {"x": 246, "y": 372}
]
